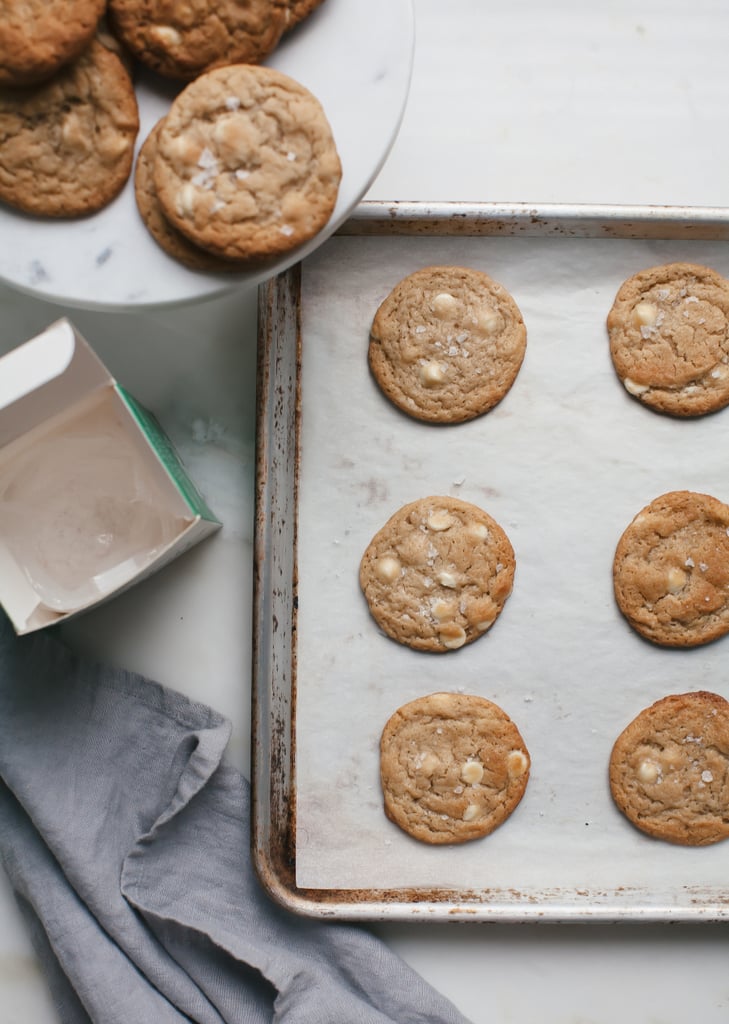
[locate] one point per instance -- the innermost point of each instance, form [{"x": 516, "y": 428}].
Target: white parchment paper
[{"x": 563, "y": 463}]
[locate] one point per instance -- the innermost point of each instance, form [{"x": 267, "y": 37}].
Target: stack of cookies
[{"x": 243, "y": 168}]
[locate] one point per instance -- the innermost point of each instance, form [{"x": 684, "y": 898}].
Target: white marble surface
[{"x": 520, "y": 102}]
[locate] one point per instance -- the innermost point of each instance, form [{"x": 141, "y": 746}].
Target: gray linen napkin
[{"x": 126, "y": 841}]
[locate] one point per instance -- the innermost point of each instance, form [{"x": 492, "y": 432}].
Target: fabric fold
[{"x": 126, "y": 838}]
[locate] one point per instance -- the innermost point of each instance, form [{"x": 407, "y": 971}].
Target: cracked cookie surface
[
  {"x": 669, "y": 769},
  {"x": 182, "y": 40},
  {"x": 67, "y": 146},
  {"x": 37, "y": 37},
  {"x": 437, "y": 575},
  {"x": 669, "y": 338},
  {"x": 246, "y": 163},
  {"x": 453, "y": 767},
  {"x": 446, "y": 344},
  {"x": 671, "y": 570}
]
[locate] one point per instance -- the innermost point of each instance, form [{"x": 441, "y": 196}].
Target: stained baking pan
[{"x": 563, "y": 463}]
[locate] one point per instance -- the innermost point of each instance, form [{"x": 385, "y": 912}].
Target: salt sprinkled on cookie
[{"x": 223, "y": 171}]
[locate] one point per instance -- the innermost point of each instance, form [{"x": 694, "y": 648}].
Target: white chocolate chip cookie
[
  {"x": 453, "y": 767},
  {"x": 671, "y": 570},
  {"x": 246, "y": 164},
  {"x": 669, "y": 338},
  {"x": 669, "y": 769},
  {"x": 437, "y": 574},
  {"x": 446, "y": 344}
]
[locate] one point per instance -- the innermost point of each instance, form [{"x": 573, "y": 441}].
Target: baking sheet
[{"x": 563, "y": 463}]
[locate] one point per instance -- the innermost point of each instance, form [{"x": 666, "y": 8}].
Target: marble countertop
[{"x": 521, "y": 102}]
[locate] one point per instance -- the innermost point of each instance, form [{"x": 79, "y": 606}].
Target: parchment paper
[{"x": 563, "y": 464}]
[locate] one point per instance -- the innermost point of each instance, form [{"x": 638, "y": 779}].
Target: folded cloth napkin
[{"x": 126, "y": 840}]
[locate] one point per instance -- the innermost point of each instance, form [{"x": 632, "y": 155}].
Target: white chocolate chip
[
  {"x": 452, "y": 636},
  {"x": 186, "y": 200},
  {"x": 648, "y": 771},
  {"x": 440, "y": 520},
  {"x": 516, "y": 763},
  {"x": 74, "y": 133},
  {"x": 443, "y": 609},
  {"x": 676, "y": 580},
  {"x": 645, "y": 314},
  {"x": 471, "y": 812},
  {"x": 431, "y": 373},
  {"x": 447, "y": 579},
  {"x": 706, "y": 776},
  {"x": 444, "y": 305},
  {"x": 429, "y": 764},
  {"x": 633, "y": 388},
  {"x": 488, "y": 320},
  {"x": 388, "y": 568},
  {"x": 472, "y": 772},
  {"x": 478, "y": 530},
  {"x": 165, "y": 35}
]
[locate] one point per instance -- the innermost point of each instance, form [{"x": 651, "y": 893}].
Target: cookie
[
  {"x": 67, "y": 147},
  {"x": 669, "y": 338},
  {"x": 172, "y": 241},
  {"x": 446, "y": 344},
  {"x": 453, "y": 767},
  {"x": 37, "y": 37},
  {"x": 669, "y": 769},
  {"x": 437, "y": 575},
  {"x": 181, "y": 41},
  {"x": 246, "y": 163},
  {"x": 299, "y": 10},
  {"x": 671, "y": 570}
]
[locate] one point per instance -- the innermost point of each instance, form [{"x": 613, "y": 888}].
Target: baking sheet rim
[{"x": 273, "y": 704}]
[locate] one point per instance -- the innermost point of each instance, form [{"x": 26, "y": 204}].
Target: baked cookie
[
  {"x": 669, "y": 769},
  {"x": 172, "y": 241},
  {"x": 299, "y": 10},
  {"x": 67, "y": 147},
  {"x": 37, "y": 37},
  {"x": 437, "y": 574},
  {"x": 669, "y": 338},
  {"x": 246, "y": 164},
  {"x": 671, "y": 570},
  {"x": 446, "y": 344},
  {"x": 182, "y": 40},
  {"x": 453, "y": 767}
]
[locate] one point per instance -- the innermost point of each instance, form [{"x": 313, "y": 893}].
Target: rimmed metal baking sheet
[{"x": 563, "y": 463}]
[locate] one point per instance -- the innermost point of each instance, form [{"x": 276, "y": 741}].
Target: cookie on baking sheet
[
  {"x": 671, "y": 570},
  {"x": 437, "y": 575},
  {"x": 446, "y": 344},
  {"x": 172, "y": 241},
  {"x": 453, "y": 767},
  {"x": 669, "y": 769},
  {"x": 669, "y": 338},
  {"x": 67, "y": 146},
  {"x": 182, "y": 40},
  {"x": 246, "y": 164},
  {"x": 37, "y": 37}
]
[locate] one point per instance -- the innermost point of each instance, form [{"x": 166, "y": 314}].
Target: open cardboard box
[{"x": 93, "y": 496}]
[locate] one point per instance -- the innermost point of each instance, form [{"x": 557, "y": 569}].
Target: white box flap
[{"x": 45, "y": 375}]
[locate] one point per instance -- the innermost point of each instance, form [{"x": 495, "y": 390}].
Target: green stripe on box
[{"x": 167, "y": 454}]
